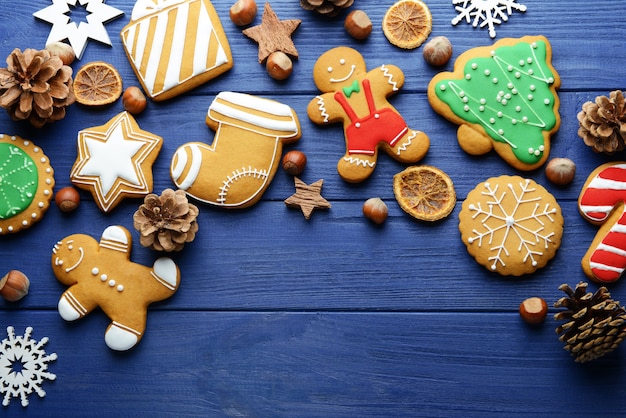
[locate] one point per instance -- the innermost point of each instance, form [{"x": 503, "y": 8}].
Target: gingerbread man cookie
[
  {"x": 101, "y": 274},
  {"x": 358, "y": 98}
]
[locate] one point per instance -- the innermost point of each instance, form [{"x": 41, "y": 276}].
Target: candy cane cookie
[{"x": 601, "y": 202}]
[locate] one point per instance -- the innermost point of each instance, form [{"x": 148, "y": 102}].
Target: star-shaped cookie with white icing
[{"x": 115, "y": 161}]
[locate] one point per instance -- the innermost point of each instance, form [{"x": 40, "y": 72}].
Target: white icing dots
[
  {"x": 111, "y": 283},
  {"x": 103, "y": 277},
  {"x": 487, "y": 72},
  {"x": 442, "y": 87},
  {"x": 474, "y": 66},
  {"x": 120, "y": 288},
  {"x": 468, "y": 77},
  {"x": 95, "y": 271},
  {"x": 495, "y": 80},
  {"x": 546, "y": 101}
]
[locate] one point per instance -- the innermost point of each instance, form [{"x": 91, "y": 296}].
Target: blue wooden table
[{"x": 335, "y": 316}]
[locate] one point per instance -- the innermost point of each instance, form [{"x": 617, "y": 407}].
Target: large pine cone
[
  {"x": 328, "y": 8},
  {"x": 35, "y": 86},
  {"x": 166, "y": 222},
  {"x": 603, "y": 123},
  {"x": 596, "y": 324}
]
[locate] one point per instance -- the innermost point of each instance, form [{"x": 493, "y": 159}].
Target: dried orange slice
[
  {"x": 407, "y": 23},
  {"x": 424, "y": 192},
  {"x": 97, "y": 83}
]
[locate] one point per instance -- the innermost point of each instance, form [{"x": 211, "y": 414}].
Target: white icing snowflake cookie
[
  {"x": 23, "y": 366},
  {"x": 511, "y": 225},
  {"x": 485, "y": 12}
]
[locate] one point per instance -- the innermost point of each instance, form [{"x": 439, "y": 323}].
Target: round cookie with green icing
[
  {"x": 503, "y": 97},
  {"x": 26, "y": 183}
]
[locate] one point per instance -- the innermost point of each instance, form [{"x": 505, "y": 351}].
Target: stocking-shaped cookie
[
  {"x": 601, "y": 202},
  {"x": 235, "y": 170},
  {"x": 100, "y": 274},
  {"x": 358, "y": 99}
]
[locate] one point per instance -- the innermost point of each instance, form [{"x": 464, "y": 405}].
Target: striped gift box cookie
[{"x": 175, "y": 45}]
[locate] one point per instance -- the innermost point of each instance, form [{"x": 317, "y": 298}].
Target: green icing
[
  {"x": 509, "y": 95},
  {"x": 18, "y": 180}
]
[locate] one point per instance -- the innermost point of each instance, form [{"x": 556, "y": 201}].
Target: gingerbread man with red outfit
[{"x": 358, "y": 98}]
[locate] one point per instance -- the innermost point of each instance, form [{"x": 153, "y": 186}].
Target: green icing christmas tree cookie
[
  {"x": 26, "y": 183},
  {"x": 503, "y": 97}
]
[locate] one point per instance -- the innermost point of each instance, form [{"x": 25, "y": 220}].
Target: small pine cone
[
  {"x": 166, "y": 222},
  {"x": 328, "y": 8},
  {"x": 596, "y": 324},
  {"x": 35, "y": 86},
  {"x": 603, "y": 123}
]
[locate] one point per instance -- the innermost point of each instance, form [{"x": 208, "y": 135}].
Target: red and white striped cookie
[{"x": 601, "y": 202}]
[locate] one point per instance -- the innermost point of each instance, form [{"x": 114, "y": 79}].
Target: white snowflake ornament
[
  {"x": 511, "y": 225},
  {"x": 485, "y": 12},
  {"x": 63, "y": 27},
  {"x": 23, "y": 366}
]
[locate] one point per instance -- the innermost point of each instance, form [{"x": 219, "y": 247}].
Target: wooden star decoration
[
  {"x": 77, "y": 34},
  {"x": 273, "y": 34},
  {"x": 307, "y": 197}
]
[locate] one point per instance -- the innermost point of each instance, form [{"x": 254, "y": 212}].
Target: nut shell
[
  {"x": 133, "y": 100},
  {"x": 437, "y": 51},
  {"x": 375, "y": 210},
  {"x": 14, "y": 286},
  {"x": 533, "y": 310},
  {"x": 294, "y": 162},
  {"x": 358, "y": 24},
  {"x": 67, "y": 199},
  {"x": 243, "y": 12},
  {"x": 561, "y": 171}
]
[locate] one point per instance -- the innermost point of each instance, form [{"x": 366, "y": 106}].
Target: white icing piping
[
  {"x": 340, "y": 80},
  {"x": 80, "y": 260},
  {"x": 389, "y": 77}
]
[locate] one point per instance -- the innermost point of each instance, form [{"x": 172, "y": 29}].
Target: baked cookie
[
  {"x": 115, "y": 161},
  {"x": 511, "y": 225},
  {"x": 503, "y": 97},
  {"x": 601, "y": 202},
  {"x": 26, "y": 183},
  {"x": 176, "y": 45},
  {"x": 100, "y": 274},
  {"x": 236, "y": 169},
  {"x": 358, "y": 98}
]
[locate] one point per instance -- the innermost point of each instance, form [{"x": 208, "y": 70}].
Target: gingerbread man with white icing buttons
[
  {"x": 100, "y": 274},
  {"x": 358, "y": 98}
]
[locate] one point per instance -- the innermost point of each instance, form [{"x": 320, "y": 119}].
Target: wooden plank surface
[{"x": 331, "y": 317}]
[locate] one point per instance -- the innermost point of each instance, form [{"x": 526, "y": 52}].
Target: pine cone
[
  {"x": 166, "y": 222},
  {"x": 35, "y": 86},
  {"x": 328, "y": 8},
  {"x": 596, "y": 324},
  {"x": 603, "y": 123}
]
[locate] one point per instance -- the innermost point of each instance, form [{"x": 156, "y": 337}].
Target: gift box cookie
[{"x": 175, "y": 45}]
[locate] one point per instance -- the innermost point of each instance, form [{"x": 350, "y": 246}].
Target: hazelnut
[
  {"x": 14, "y": 286},
  {"x": 533, "y": 310},
  {"x": 63, "y": 51},
  {"x": 437, "y": 51},
  {"x": 279, "y": 65},
  {"x": 358, "y": 24},
  {"x": 133, "y": 100},
  {"x": 375, "y": 210},
  {"x": 67, "y": 199},
  {"x": 294, "y": 162},
  {"x": 243, "y": 12},
  {"x": 560, "y": 171}
]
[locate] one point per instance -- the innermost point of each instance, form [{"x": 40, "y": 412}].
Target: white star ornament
[{"x": 63, "y": 27}]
